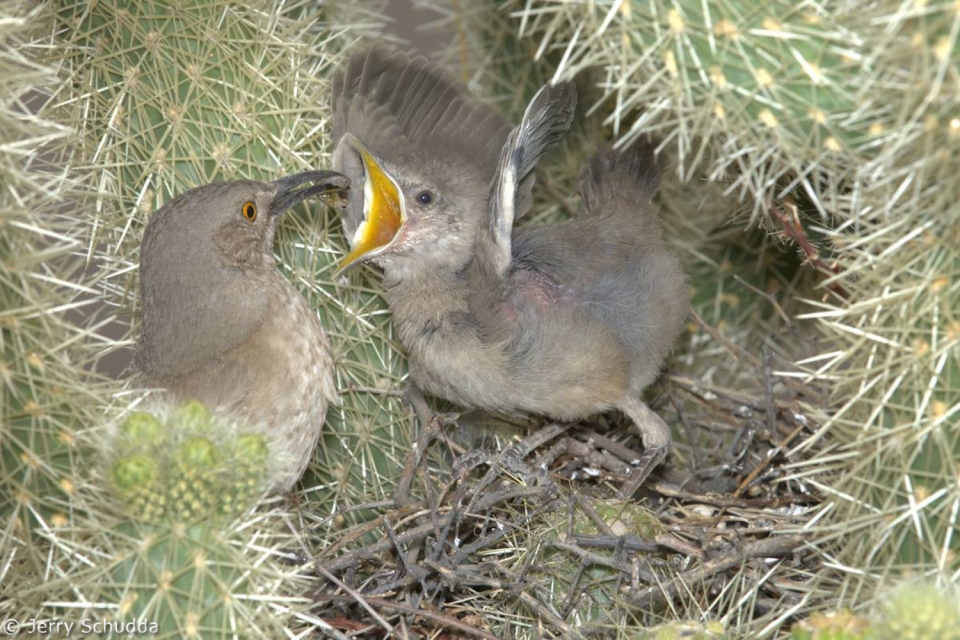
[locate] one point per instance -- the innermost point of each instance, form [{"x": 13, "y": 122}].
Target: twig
[
  {"x": 352, "y": 388},
  {"x": 371, "y": 551},
  {"x": 720, "y": 501},
  {"x": 356, "y": 597},
  {"x": 542, "y": 611},
  {"x": 738, "y": 353},
  {"x": 593, "y": 515},
  {"x": 448, "y": 621},
  {"x": 429, "y": 431},
  {"x": 691, "y": 384},
  {"x": 766, "y": 461},
  {"x": 630, "y": 543},
  {"x": 501, "y": 531},
  {"x": 769, "y": 298},
  {"x": 769, "y": 548},
  {"x": 593, "y": 558},
  {"x": 513, "y": 456}
]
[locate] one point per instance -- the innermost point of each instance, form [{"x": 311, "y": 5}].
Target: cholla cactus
[
  {"x": 687, "y": 631},
  {"x": 45, "y": 391},
  {"x": 186, "y": 465},
  {"x": 184, "y": 554},
  {"x": 212, "y": 578},
  {"x": 918, "y": 611}
]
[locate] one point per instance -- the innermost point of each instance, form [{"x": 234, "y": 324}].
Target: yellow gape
[{"x": 383, "y": 213}]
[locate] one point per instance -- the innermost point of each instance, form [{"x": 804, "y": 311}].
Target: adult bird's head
[
  {"x": 421, "y": 154},
  {"x": 207, "y": 268}
]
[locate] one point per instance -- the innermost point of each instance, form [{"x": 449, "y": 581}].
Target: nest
[{"x": 531, "y": 536}]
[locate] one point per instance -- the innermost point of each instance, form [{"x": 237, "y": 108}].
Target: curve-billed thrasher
[
  {"x": 221, "y": 325},
  {"x": 565, "y": 320}
]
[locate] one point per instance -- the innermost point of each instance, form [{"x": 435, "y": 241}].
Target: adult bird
[{"x": 221, "y": 325}]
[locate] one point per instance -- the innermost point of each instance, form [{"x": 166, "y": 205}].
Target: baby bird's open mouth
[{"x": 378, "y": 210}]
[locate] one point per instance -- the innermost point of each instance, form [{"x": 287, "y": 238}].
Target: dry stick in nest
[
  {"x": 448, "y": 568},
  {"x": 770, "y": 548},
  {"x": 358, "y": 556},
  {"x": 440, "y": 525},
  {"x": 447, "y": 621},
  {"x": 545, "y": 613}
]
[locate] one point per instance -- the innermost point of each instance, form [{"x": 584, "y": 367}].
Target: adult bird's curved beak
[
  {"x": 322, "y": 183},
  {"x": 384, "y": 211}
]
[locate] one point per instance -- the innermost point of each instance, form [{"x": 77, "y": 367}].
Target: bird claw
[{"x": 651, "y": 457}]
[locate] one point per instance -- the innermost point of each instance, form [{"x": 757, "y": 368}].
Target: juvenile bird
[
  {"x": 221, "y": 325},
  {"x": 565, "y": 320}
]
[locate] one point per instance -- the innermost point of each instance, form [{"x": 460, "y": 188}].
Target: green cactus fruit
[
  {"x": 838, "y": 625},
  {"x": 187, "y": 465},
  {"x": 134, "y": 473},
  {"x": 142, "y": 429},
  {"x": 920, "y": 611},
  {"x": 136, "y": 479},
  {"x": 195, "y": 491},
  {"x": 252, "y": 448},
  {"x": 250, "y": 459},
  {"x": 195, "y": 414},
  {"x": 197, "y": 455}
]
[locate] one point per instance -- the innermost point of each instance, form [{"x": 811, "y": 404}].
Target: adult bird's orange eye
[{"x": 249, "y": 210}]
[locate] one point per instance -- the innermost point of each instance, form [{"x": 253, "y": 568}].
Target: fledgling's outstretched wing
[
  {"x": 414, "y": 111},
  {"x": 546, "y": 119}
]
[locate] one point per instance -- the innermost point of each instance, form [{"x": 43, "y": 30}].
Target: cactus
[
  {"x": 208, "y": 578},
  {"x": 849, "y": 109},
  {"x": 687, "y": 630},
  {"x": 586, "y": 590},
  {"x": 918, "y": 611},
  {"x": 45, "y": 391},
  {"x": 137, "y": 102},
  {"x": 184, "y": 554},
  {"x": 186, "y": 465},
  {"x": 838, "y": 625},
  {"x": 898, "y": 389}
]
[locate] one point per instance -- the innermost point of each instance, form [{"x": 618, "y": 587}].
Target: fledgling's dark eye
[{"x": 424, "y": 197}]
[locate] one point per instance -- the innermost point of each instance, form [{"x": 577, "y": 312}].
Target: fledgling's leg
[{"x": 656, "y": 442}]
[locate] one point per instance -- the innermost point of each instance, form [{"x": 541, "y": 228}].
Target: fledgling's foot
[{"x": 655, "y": 434}]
